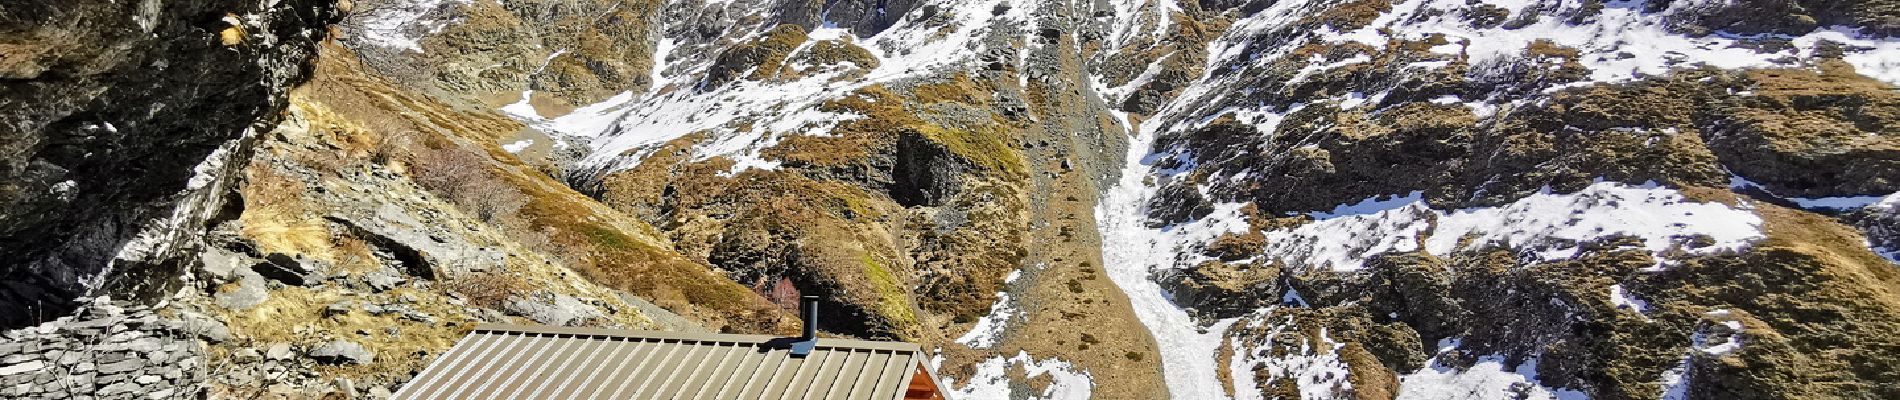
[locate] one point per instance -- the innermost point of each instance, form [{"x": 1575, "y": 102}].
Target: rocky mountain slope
[
  {"x": 1522, "y": 200},
  {"x": 1307, "y": 199},
  {"x": 128, "y": 111}
]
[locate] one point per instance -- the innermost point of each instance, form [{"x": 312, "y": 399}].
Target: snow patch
[
  {"x": 1343, "y": 243},
  {"x": 1551, "y": 226},
  {"x": 992, "y": 381},
  {"x": 1621, "y": 42},
  {"x": 741, "y": 120},
  {"x": 1317, "y": 64},
  {"x": 1131, "y": 252},
  {"x": 1837, "y": 203},
  {"x": 1370, "y": 205},
  {"x": 1623, "y": 299},
  {"x": 744, "y": 117},
  {"x": 661, "y": 49},
  {"x": 912, "y": 46},
  {"x": 518, "y": 145},
  {"x": 989, "y": 328},
  {"x": 1675, "y": 381},
  {"x": 523, "y": 109},
  {"x": 1843, "y": 203},
  {"x": 829, "y": 32},
  {"x": 1317, "y": 370},
  {"x": 1486, "y": 379},
  {"x": 402, "y": 25},
  {"x": 1717, "y": 346}
]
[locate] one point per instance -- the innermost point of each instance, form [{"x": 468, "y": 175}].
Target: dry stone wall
[{"x": 109, "y": 350}]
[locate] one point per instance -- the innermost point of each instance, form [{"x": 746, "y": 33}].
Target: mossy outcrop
[
  {"x": 762, "y": 58},
  {"x": 840, "y": 227}
]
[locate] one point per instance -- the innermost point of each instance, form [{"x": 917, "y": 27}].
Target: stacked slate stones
[{"x": 108, "y": 350}]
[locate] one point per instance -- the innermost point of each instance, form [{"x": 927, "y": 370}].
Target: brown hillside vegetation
[
  {"x": 598, "y": 242},
  {"x": 365, "y": 176}
]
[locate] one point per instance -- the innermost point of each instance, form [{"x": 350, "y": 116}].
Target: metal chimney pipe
[{"x": 810, "y": 308}]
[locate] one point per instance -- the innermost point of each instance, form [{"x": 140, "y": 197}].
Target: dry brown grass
[
  {"x": 832, "y": 54},
  {"x": 292, "y": 314},
  {"x": 1370, "y": 379},
  {"x": 958, "y": 88},
  {"x": 452, "y": 154},
  {"x": 615, "y": 250},
  {"x": 1547, "y": 48},
  {"x": 816, "y": 151},
  {"x": 1349, "y": 16},
  {"x": 1234, "y": 246},
  {"x": 1826, "y": 305},
  {"x": 1834, "y": 244},
  {"x": 382, "y": 107},
  {"x": 277, "y": 220}
]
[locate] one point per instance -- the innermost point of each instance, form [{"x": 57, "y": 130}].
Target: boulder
[
  {"x": 249, "y": 292},
  {"x": 202, "y": 326},
  {"x": 553, "y": 309},
  {"x": 342, "y": 352},
  {"x": 278, "y": 351},
  {"x": 294, "y": 271}
]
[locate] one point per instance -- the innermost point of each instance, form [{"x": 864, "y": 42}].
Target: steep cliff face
[{"x": 117, "y": 114}]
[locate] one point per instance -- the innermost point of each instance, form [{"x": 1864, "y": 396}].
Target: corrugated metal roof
[{"x": 520, "y": 362}]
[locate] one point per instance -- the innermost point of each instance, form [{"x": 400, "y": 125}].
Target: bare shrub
[
  {"x": 449, "y": 172},
  {"x": 393, "y": 145},
  {"x": 490, "y": 290},
  {"x": 474, "y": 183},
  {"x": 470, "y": 179},
  {"x": 779, "y": 291},
  {"x": 463, "y": 177}
]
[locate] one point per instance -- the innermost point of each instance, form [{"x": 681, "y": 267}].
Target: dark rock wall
[{"x": 107, "y": 109}]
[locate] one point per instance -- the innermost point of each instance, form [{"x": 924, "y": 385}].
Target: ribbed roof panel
[{"x": 521, "y": 362}]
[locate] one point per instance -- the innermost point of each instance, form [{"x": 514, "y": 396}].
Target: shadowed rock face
[
  {"x": 108, "y": 108},
  {"x": 924, "y": 174}
]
